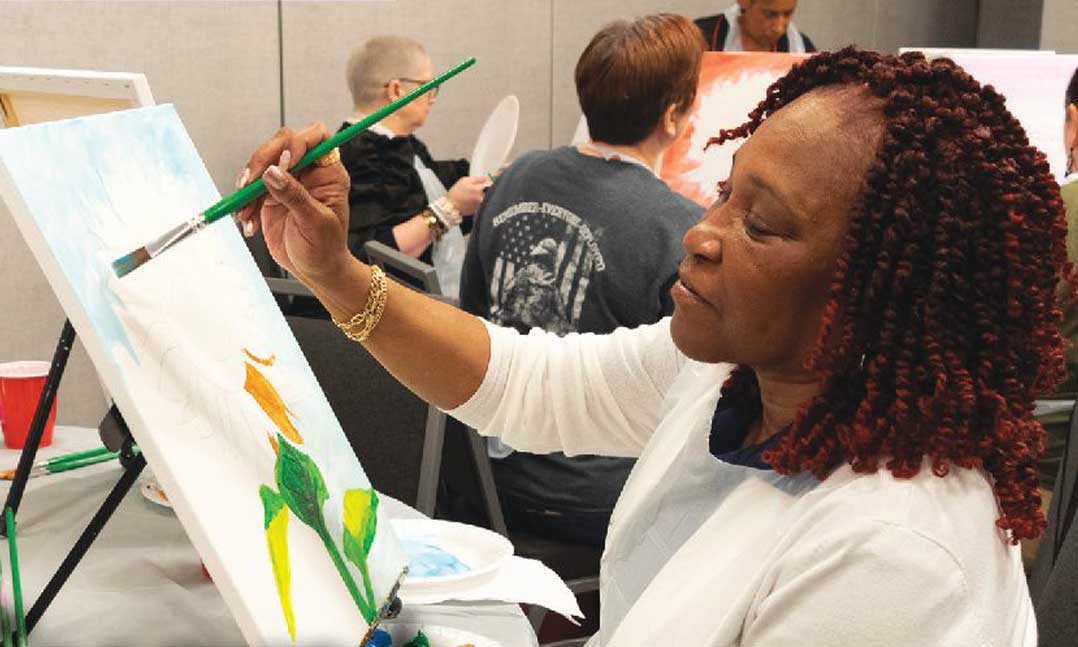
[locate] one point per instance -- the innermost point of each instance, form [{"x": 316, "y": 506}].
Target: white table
[{"x": 141, "y": 582}]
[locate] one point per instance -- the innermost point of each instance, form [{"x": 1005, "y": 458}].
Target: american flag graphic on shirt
[{"x": 546, "y": 258}]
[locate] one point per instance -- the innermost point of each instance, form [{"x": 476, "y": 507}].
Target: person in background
[
  {"x": 755, "y": 26},
  {"x": 1069, "y": 193},
  {"x": 398, "y": 190},
  {"x": 586, "y": 239},
  {"x": 1057, "y": 425}
]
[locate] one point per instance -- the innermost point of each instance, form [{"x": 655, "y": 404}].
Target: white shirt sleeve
[
  {"x": 577, "y": 394},
  {"x": 871, "y": 584}
]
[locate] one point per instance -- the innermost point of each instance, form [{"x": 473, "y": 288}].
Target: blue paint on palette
[{"x": 428, "y": 560}]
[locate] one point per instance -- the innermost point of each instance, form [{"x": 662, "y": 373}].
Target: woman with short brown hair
[
  {"x": 632, "y": 73},
  {"x": 589, "y": 241}
]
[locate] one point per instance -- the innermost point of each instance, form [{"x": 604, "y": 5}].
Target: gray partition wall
[
  {"x": 237, "y": 70},
  {"x": 510, "y": 40},
  {"x": 1059, "y": 27}
]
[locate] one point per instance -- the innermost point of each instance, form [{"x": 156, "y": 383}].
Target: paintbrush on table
[
  {"x": 65, "y": 463},
  {"x": 256, "y": 189}
]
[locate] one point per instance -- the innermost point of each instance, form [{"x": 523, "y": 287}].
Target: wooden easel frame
[{"x": 32, "y": 95}]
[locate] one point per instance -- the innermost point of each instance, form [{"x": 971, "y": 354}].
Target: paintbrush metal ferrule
[
  {"x": 391, "y": 609},
  {"x": 175, "y": 235},
  {"x": 126, "y": 264},
  {"x": 36, "y": 471}
]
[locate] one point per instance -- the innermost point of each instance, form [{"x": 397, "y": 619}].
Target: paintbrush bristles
[
  {"x": 127, "y": 264},
  {"x": 136, "y": 259}
]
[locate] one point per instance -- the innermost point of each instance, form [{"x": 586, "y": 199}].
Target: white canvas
[{"x": 204, "y": 369}]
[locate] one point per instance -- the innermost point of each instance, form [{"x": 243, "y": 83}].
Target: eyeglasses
[{"x": 433, "y": 92}]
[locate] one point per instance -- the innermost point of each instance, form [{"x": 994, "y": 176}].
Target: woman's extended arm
[
  {"x": 442, "y": 353},
  {"x": 438, "y": 351}
]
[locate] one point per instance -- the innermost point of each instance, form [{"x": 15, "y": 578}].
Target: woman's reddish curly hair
[{"x": 943, "y": 320}]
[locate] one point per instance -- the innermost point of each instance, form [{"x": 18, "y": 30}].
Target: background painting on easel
[
  {"x": 206, "y": 373},
  {"x": 730, "y": 86}
]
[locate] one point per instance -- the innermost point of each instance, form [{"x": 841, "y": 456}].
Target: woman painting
[{"x": 834, "y": 430}]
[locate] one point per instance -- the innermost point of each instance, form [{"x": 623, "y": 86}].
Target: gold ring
[{"x": 330, "y": 158}]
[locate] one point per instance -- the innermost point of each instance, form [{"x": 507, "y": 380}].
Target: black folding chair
[
  {"x": 396, "y": 436},
  {"x": 406, "y": 270},
  {"x": 469, "y": 474}
]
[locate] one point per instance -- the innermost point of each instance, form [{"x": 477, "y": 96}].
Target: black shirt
[{"x": 386, "y": 190}]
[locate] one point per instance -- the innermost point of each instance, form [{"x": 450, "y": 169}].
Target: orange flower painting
[{"x": 731, "y": 85}]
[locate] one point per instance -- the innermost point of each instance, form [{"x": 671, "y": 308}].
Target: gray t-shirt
[{"x": 568, "y": 242}]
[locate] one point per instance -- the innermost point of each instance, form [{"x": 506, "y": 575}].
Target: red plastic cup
[{"x": 21, "y": 384}]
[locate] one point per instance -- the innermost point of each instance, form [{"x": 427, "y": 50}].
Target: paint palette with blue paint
[
  {"x": 429, "y": 560},
  {"x": 441, "y": 552}
]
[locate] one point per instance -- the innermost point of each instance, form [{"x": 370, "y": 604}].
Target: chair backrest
[
  {"x": 1054, "y": 581},
  {"x": 397, "y": 437},
  {"x": 291, "y": 288},
  {"x": 409, "y": 271},
  {"x": 469, "y": 475}
]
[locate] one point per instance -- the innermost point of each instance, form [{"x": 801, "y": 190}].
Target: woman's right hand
[
  {"x": 304, "y": 219},
  {"x": 467, "y": 193}
]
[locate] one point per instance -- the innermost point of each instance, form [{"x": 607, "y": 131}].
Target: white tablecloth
[{"x": 141, "y": 583}]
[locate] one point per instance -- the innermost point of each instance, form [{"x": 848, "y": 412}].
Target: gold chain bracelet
[{"x": 360, "y": 326}]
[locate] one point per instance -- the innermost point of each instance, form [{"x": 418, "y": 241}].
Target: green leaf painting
[
  {"x": 277, "y": 540},
  {"x": 300, "y": 483},
  {"x": 301, "y": 490},
  {"x": 360, "y": 523}
]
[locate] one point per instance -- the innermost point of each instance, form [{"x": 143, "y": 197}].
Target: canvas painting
[
  {"x": 206, "y": 373},
  {"x": 731, "y": 84}
]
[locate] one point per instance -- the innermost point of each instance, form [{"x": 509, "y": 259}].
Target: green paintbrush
[
  {"x": 257, "y": 189},
  {"x": 60, "y": 464},
  {"x": 53, "y": 464}
]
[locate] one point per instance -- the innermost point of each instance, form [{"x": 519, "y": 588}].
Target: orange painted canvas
[{"x": 731, "y": 84}]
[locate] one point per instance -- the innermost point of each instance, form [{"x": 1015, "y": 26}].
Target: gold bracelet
[
  {"x": 360, "y": 326},
  {"x": 436, "y": 226}
]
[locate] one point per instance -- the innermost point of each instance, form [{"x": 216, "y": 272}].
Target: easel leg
[{"x": 133, "y": 463}]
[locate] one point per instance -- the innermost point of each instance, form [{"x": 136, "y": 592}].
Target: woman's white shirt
[{"x": 702, "y": 552}]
